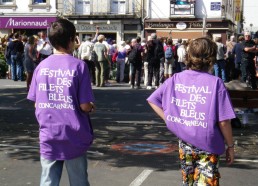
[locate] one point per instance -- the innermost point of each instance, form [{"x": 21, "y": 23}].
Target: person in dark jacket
[
  {"x": 154, "y": 55},
  {"x": 17, "y": 52},
  {"x": 237, "y": 51}
]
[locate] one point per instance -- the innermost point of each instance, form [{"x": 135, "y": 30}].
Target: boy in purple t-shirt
[
  {"x": 63, "y": 97},
  {"x": 197, "y": 109}
]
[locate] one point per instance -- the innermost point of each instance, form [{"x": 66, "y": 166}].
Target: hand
[
  {"x": 93, "y": 109},
  {"x": 230, "y": 156}
]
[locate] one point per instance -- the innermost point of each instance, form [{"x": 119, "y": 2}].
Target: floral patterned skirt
[{"x": 199, "y": 168}]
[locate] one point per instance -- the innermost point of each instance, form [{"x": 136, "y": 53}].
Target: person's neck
[{"x": 62, "y": 51}]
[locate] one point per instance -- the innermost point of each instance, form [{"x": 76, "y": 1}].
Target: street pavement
[{"x": 132, "y": 146}]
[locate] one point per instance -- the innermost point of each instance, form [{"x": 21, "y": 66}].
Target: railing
[{"x": 185, "y": 10}]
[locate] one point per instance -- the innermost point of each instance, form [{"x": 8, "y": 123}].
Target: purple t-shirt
[
  {"x": 193, "y": 103},
  {"x": 60, "y": 84}
]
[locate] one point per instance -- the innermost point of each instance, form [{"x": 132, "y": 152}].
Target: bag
[
  {"x": 132, "y": 56},
  {"x": 169, "y": 53},
  {"x": 114, "y": 57},
  {"x": 93, "y": 56}
]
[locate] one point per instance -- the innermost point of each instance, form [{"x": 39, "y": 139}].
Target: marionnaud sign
[
  {"x": 181, "y": 26},
  {"x": 26, "y": 22}
]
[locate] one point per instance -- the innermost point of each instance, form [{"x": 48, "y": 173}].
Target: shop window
[
  {"x": 82, "y": 7},
  {"x": 118, "y": 7},
  {"x": 182, "y": 7}
]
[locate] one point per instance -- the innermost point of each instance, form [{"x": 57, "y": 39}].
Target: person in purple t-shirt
[
  {"x": 196, "y": 107},
  {"x": 61, "y": 90}
]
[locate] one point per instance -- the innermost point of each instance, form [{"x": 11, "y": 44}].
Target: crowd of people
[{"x": 136, "y": 61}]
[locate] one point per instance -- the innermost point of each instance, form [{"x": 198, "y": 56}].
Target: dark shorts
[{"x": 198, "y": 167}]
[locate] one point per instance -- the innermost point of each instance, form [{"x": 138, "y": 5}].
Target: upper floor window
[
  {"x": 39, "y": 1},
  {"x": 8, "y": 2},
  {"x": 118, "y": 6},
  {"x": 82, "y": 6}
]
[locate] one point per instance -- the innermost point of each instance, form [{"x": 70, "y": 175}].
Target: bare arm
[
  {"x": 88, "y": 107},
  {"x": 226, "y": 129},
  {"x": 158, "y": 110}
]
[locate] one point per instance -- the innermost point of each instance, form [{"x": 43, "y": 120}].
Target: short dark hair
[
  {"x": 61, "y": 33},
  {"x": 201, "y": 54}
]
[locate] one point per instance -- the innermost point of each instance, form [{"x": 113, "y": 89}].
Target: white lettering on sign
[{"x": 12, "y": 22}]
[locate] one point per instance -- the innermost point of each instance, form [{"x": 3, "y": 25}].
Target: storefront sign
[
  {"x": 92, "y": 28},
  {"x": 26, "y": 22},
  {"x": 181, "y": 26},
  {"x": 215, "y": 6}
]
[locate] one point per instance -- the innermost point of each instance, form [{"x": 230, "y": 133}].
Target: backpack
[
  {"x": 169, "y": 53},
  {"x": 132, "y": 56}
]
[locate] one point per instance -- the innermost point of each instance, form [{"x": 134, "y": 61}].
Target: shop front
[
  {"x": 117, "y": 30},
  {"x": 25, "y": 25},
  {"x": 189, "y": 28}
]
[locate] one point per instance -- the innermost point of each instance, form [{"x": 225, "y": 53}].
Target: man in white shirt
[
  {"x": 84, "y": 53},
  {"x": 44, "y": 47}
]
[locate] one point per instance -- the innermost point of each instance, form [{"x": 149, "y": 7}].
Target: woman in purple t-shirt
[
  {"x": 61, "y": 90},
  {"x": 196, "y": 107}
]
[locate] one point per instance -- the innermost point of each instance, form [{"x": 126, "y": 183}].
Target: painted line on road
[
  {"x": 19, "y": 146},
  {"x": 21, "y": 100},
  {"x": 140, "y": 179},
  {"x": 242, "y": 160}
]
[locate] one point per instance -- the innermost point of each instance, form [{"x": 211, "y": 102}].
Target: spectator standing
[
  {"x": 30, "y": 59},
  {"x": 177, "y": 65},
  {"x": 135, "y": 60},
  {"x": 63, "y": 97},
  {"x": 193, "y": 122},
  {"x": 145, "y": 62},
  {"x": 9, "y": 39},
  {"x": 237, "y": 52},
  {"x": 84, "y": 53},
  {"x": 230, "y": 58},
  {"x": 120, "y": 62},
  {"x": 169, "y": 59},
  {"x": 247, "y": 63},
  {"x": 155, "y": 52},
  {"x": 101, "y": 63},
  {"x": 44, "y": 47},
  {"x": 220, "y": 65},
  {"x": 181, "y": 53},
  {"x": 17, "y": 52}
]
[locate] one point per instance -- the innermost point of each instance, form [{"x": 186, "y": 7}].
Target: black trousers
[
  {"x": 248, "y": 70},
  {"x": 153, "y": 71},
  {"x": 91, "y": 67},
  {"x": 136, "y": 70}
]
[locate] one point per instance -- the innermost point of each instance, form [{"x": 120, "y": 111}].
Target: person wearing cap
[
  {"x": 84, "y": 53},
  {"x": 101, "y": 63},
  {"x": 247, "y": 62}
]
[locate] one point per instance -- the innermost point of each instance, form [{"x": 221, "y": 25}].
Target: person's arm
[
  {"x": 250, "y": 49},
  {"x": 158, "y": 110},
  {"x": 96, "y": 35},
  {"x": 226, "y": 129},
  {"x": 88, "y": 107}
]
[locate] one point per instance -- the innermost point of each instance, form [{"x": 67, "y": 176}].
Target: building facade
[
  {"x": 116, "y": 19},
  {"x": 189, "y": 19},
  {"x": 27, "y": 16}
]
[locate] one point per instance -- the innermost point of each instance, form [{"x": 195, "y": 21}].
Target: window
[
  {"x": 39, "y": 1},
  {"x": 82, "y": 6},
  {"x": 118, "y": 6},
  {"x": 6, "y": 1}
]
